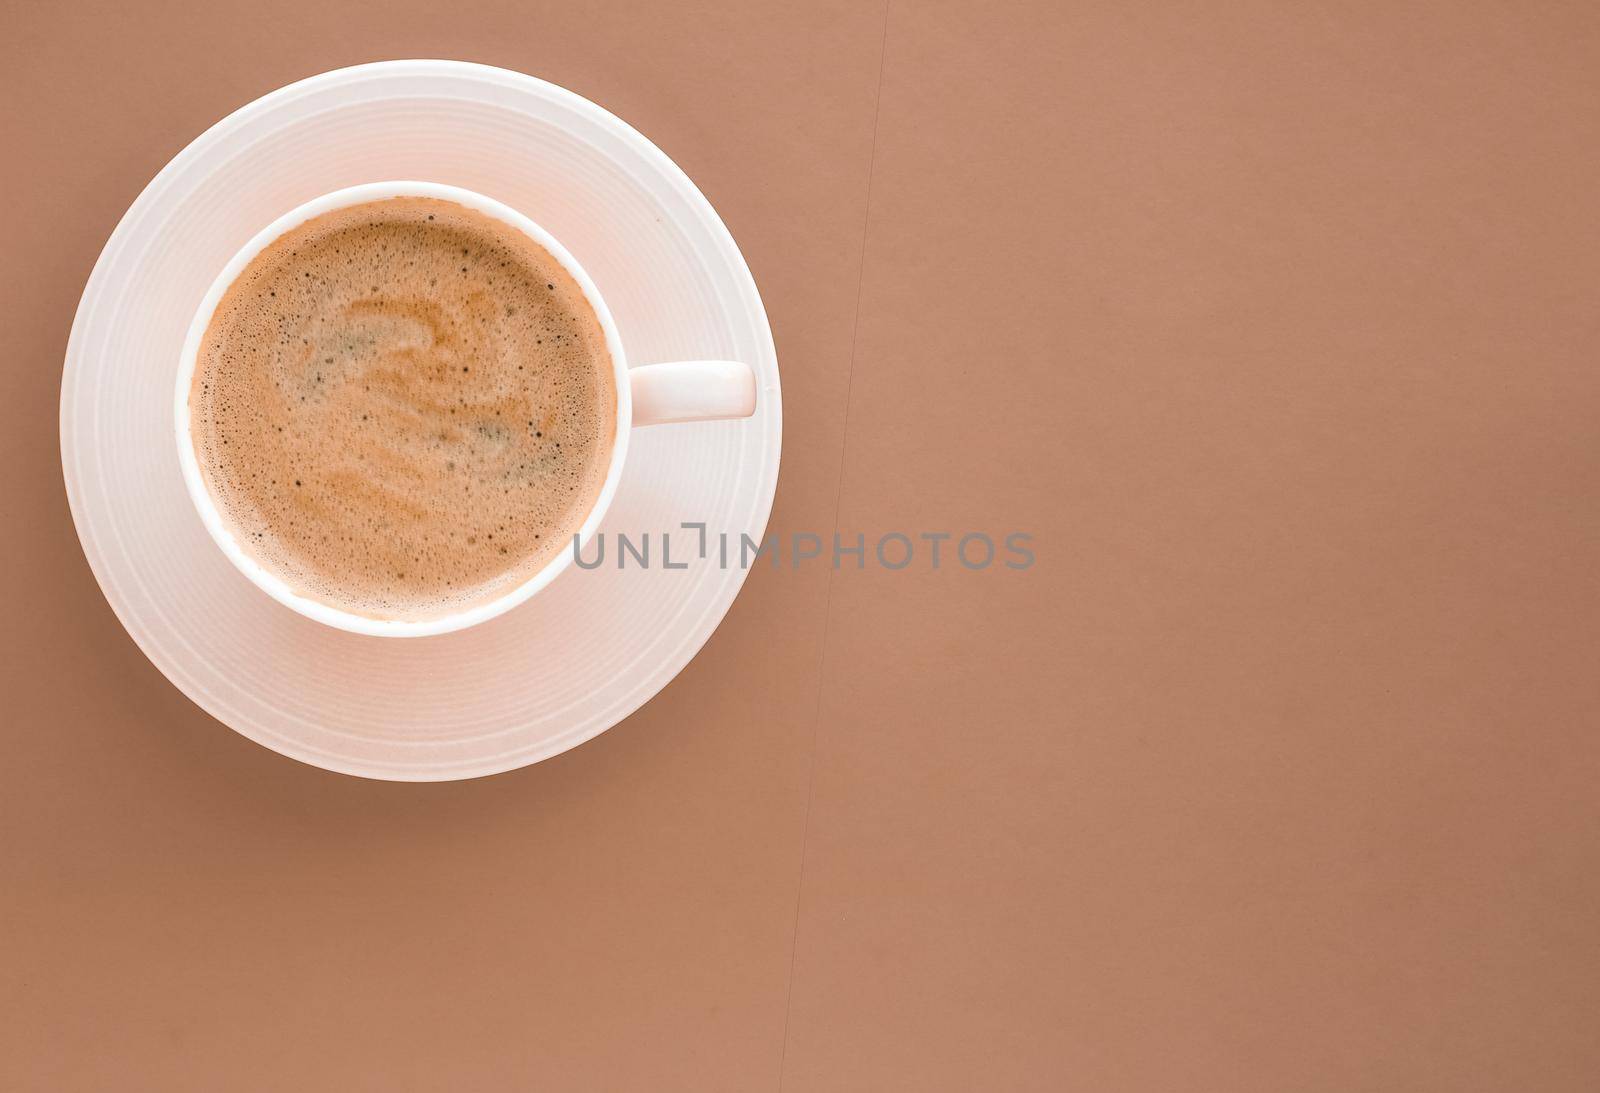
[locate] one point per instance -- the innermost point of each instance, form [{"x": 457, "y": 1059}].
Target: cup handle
[{"x": 692, "y": 391}]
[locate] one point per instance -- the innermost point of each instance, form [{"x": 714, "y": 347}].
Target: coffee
[{"x": 404, "y": 408}]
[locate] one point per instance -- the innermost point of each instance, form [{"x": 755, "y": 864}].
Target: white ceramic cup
[{"x": 648, "y": 395}]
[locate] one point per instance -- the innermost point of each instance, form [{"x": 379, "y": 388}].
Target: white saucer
[{"x": 585, "y": 652}]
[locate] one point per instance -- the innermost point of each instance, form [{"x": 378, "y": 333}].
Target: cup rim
[{"x": 205, "y": 504}]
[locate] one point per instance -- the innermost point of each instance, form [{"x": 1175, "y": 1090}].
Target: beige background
[{"x": 1276, "y": 326}]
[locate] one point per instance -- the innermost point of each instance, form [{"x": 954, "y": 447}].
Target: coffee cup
[{"x": 654, "y": 394}]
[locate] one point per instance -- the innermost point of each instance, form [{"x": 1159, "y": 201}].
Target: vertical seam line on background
[{"x": 838, "y": 504}]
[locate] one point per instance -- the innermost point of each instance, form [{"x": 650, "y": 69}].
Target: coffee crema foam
[{"x": 404, "y": 408}]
